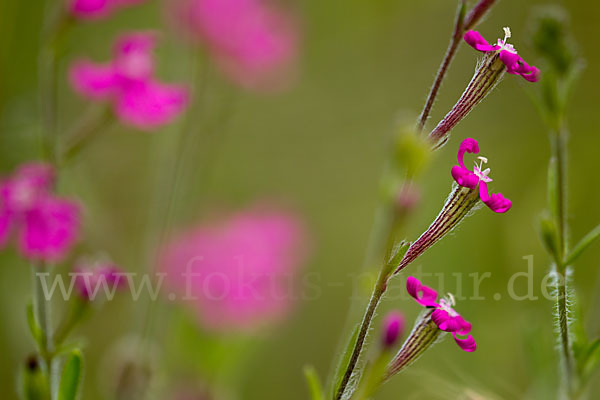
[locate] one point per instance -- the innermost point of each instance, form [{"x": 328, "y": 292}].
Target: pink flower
[
  {"x": 46, "y": 226},
  {"x": 479, "y": 176},
  {"x": 94, "y": 9},
  {"x": 393, "y": 327},
  {"x": 508, "y": 55},
  {"x": 253, "y": 43},
  {"x": 128, "y": 83},
  {"x": 91, "y": 278},
  {"x": 444, "y": 315},
  {"x": 236, "y": 273}
]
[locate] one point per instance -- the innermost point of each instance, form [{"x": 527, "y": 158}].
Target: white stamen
[
  {"x": 507, "y": 33},
  {"x": 451, "y": 298},
  {"x": 483, "y": 159}
]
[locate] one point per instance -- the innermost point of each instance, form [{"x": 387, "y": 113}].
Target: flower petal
[
  {"x": 440, "y": 318},
  {"x": 90, "y": 9},
  {"x": 496, "y": 202},
  {"x": 511, "y": 60},
  {"x": 469, "y": 145},
  {"x": 92, "y": 80},
  {"x": 424, "y": 295},
  {"x": 467, "y": 344},
  {"x": 464, "y": 177},
  {"x": 475, "y": 40},
  {"x": 50, "y": 229},
  {"x": 147, "y": 105}
]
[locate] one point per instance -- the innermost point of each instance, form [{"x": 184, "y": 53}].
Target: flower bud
[{"x": 393, "y": 327}]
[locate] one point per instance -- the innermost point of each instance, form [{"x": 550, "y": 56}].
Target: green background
[{"x": 320, "y": 148}]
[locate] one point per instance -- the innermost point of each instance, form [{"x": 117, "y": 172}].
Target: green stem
[
  {"x": 443, "y": 69},
  {"x": 378, "y": 291},
  {"x": 559, "y": 152},
  {"x": 84, "y": 131},
  {"x": 42, "y": 314}
]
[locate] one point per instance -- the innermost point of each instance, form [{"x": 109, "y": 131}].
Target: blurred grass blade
[
  {"x": 314, "y": 385},
  {"x": 71, "y": 377},
  {"x": 344, "y": 359},
  {"x": 583, "y": 245},
  {"x": 34, "y": 328}
]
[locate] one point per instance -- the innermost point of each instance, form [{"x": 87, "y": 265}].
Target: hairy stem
[
  {"x": 363, "y": 332},
  {"x": 559, "y": 153},
  {"x": 443, "y": 69}
]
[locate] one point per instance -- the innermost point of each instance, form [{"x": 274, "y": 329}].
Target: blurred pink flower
[
  {"x": 128, "y": 83},
  {"x": 47, "y": 226},
  {"x": 94, "y": 9},
  {"x": 237, "y": 272},
  {"x": 253, "y": 43},
  {"x": 93, "y": 278}
]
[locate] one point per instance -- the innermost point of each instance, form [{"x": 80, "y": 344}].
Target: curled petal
[
  {"x": 464, "y": 177},
  {"x": 50, "y": 229},
  {"x": 468, "y": 145},
  {"x": 147, "y": 105},
  {"x": 475, "y": 40},
  {"x": 532, "y": 74},
  {"x": 467, "y": 344},
  {"x": 424, "y": 295},
  {"x": 440, "y": 318},
  {"x": 496, "y": 202},
  {"x": 92, "y": 80},
  {"x": 511, "y": 60}
]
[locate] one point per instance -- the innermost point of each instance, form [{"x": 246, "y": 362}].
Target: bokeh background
[{"x": 319, "y": 147}]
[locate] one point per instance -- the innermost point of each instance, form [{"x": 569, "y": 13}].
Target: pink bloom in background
[
  {"x": 94, "y": 9},
  {"x": 393, "y": 328},
  {"x": 478, "y": 176},
  {"x": 128, "y": 83},
  {"x": 253, "y": 43},
  {"x": 444, "y": 315},
  {"x": 46, "y": 226},
  {"x": 508, "y": 55},
  {"x": 237, "y": 273},
  {"x": 93, "y": 279}
]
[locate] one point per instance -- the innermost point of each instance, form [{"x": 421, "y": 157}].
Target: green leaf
[
  {"x": 591, "y": 359},
  {"x": 34, "y": 328},
  {"x": 583, "y": 245},
  {"x": 343, "y": 361},
  {"x": 314, "y": 384},
  {"x": 72, "y": 374}
]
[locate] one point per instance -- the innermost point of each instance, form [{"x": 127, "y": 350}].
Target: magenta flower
[
  {"x": 128, "y": 83},
  {"x": 478, "y": 176},
  {"x": 91, "y": 278},
  {"x": 253, "y": 43},
  {"x": 94, "y": 9},
  {"x": 444, "y": 316},
  {"x": 434, "y": 322},
  {"x": 46, "y": 226},
  {"x": 507, "y": 53},
  {"x": 393, "y": 327},
  {"x": 236, "y": 273},
  {"x": 498, "y": 60}
]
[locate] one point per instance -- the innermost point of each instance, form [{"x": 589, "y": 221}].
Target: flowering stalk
[
  {"x": 437, "y": 319},
  {"x": 461, "y": 24},
  {"x": 487, "y": 74},
  {"x": 498, "y": 59}
]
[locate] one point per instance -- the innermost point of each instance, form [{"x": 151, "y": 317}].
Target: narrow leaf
[
  {"x": 34, "y": 328},
  {"x": 71, "y": 377},
  {"x": 343, "y": 361},
  {"x": 314, "y": 384},
  {"x": 583, "y": 244}
]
